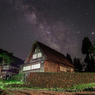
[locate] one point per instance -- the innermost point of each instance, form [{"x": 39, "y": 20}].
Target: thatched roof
[{"x": 50, "y": 53}]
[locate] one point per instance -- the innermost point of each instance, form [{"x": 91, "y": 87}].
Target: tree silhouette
[
  {"x": 69, "y": 57},
  {"x": 77, "y": 64},
  {"x": 87, "y": 60},
  {"x": 86, "y": 45},
  {"x": 92, "y": 49},
  {"x": 92, "y": 64}
]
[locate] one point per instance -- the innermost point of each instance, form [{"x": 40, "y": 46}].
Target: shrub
[
  {"x": 89, "y": 89},
  {"x": 19, "y": 77}
]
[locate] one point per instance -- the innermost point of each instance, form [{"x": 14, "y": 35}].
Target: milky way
[{"x": 59, "y": 24}]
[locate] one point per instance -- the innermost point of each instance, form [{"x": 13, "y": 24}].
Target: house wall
[
  {"x": 50, "y": 66},
  {"x": 41, "y": 69},
  {"x": 8, "y": 71},
  {"x": 68, "y": 68}
]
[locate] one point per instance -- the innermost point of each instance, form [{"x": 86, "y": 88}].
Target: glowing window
[
  {"x": 63, "y": 68},
  {"x": 36, "y": 66},
  {"x": 36, "y": 50},
  {"x": 6, "y": 67},
  {"x": 71, "y": 69},
  {"x": 26, "y": 68},
  {"x": 39, "y": 54},
  {"x": 34, "y": 56}
]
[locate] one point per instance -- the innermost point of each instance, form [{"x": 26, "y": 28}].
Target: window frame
[
  {"x": 37, "y": 54},
  {"x": 63, "y": 69},
  {"x": 34, "y": 66},
  {"x": 5, "y": 67},
  {"x": 24, "y": 68}
]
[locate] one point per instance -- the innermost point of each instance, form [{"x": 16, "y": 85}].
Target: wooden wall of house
[
  {"x": 50, "y": 66},
  {"x": 41, "y": 69},
  {"x": 68, "y": 68}
]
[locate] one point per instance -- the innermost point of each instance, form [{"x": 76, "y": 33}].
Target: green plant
[{"x": 18, "y": 77}]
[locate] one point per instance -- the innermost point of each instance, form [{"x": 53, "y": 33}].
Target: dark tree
[
  {"x": 86, "y": 44},
  {"x": 92, "y": 61},
  {"x": 69, "y": 57},
  {"x": 77, "y": 64},
  {"x": 92, "y": 49},
  {"x": 87, "y": 60},
  {"x": 92, "y": 64}
]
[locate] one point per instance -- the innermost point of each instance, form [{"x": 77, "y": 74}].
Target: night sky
[{"x": 59, "y": 24}]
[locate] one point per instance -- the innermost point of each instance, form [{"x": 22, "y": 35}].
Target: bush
[
  {"x": 89, "y": 89},
  {"x": 19, "y": 77}
]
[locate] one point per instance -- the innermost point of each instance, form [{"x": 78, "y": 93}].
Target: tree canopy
[
  {"x": 69, "y": 57},
  {"x": 92, "y": 49},
  {"x": 6, "y": 58},
  {"x": 86, "y": 45}
]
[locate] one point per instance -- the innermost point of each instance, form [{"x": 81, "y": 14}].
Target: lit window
[
  {"x": 39, "y": 54},
  {"x": 5, "y": 67},
  {"x": 63, "y": 69},
  {"x": 32, "y": 67},
  {"x": 71, "y": 69},
  {"x": 36, "y": 50},
  {"x": 26, "y": 68},
  {"x": 34, "y": 56},
  {"x": 36, "y": 66}
]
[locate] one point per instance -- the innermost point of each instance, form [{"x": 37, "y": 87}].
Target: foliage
[
  {"x": 86, "y": 45},
  {"x": 62, "y": 79},
  {"x": 75, "y": 88},
  {"x": 5, "y": 58},
  {"x": 19, "y": 77},
  {"x": 77, "y": 64},
  {"x": 90, "y": 64},
  {"x": 92, "y": 49},
  {"x": 69, "y": 57}
]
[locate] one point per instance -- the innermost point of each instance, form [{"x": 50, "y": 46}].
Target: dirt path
[{"x": 44, "y": 92}]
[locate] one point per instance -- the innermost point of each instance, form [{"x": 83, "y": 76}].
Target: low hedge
[
  {"x": 18, "y": 77},
  {"x": 60, "y": 80}
]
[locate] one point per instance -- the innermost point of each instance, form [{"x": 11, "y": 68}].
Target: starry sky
[{"x": 59, "y": 24}]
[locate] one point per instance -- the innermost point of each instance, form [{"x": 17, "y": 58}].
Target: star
[
  {"x": 78, "y": 32},
  {"x": 92, "y": 33}
]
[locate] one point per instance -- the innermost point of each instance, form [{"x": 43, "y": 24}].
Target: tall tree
[
  {"x": 77, "y": 64},
  {"x": 92, "y": 49},
  {"x": 86, "y": 44},
  {"x": 69, "y": 57},
  {"x": 92, "y": 64},
  {"x": 87, "y": 60}
]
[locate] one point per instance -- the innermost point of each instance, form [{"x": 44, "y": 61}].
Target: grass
[{"x": 80, "y": 87}]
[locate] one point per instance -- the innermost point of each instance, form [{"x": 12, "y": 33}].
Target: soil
[{"x": 43, "y": 92}]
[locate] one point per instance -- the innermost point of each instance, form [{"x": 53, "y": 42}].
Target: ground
[{"x": 44, "y": 92}]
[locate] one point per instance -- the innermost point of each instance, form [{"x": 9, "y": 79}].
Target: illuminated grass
[{"x": 75, "y": 88}]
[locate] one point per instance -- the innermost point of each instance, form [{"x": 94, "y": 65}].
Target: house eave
[{"x": 59, "y": 62}]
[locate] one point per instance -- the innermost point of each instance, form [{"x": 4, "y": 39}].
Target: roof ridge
[{"x": 50, "y": 48}]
